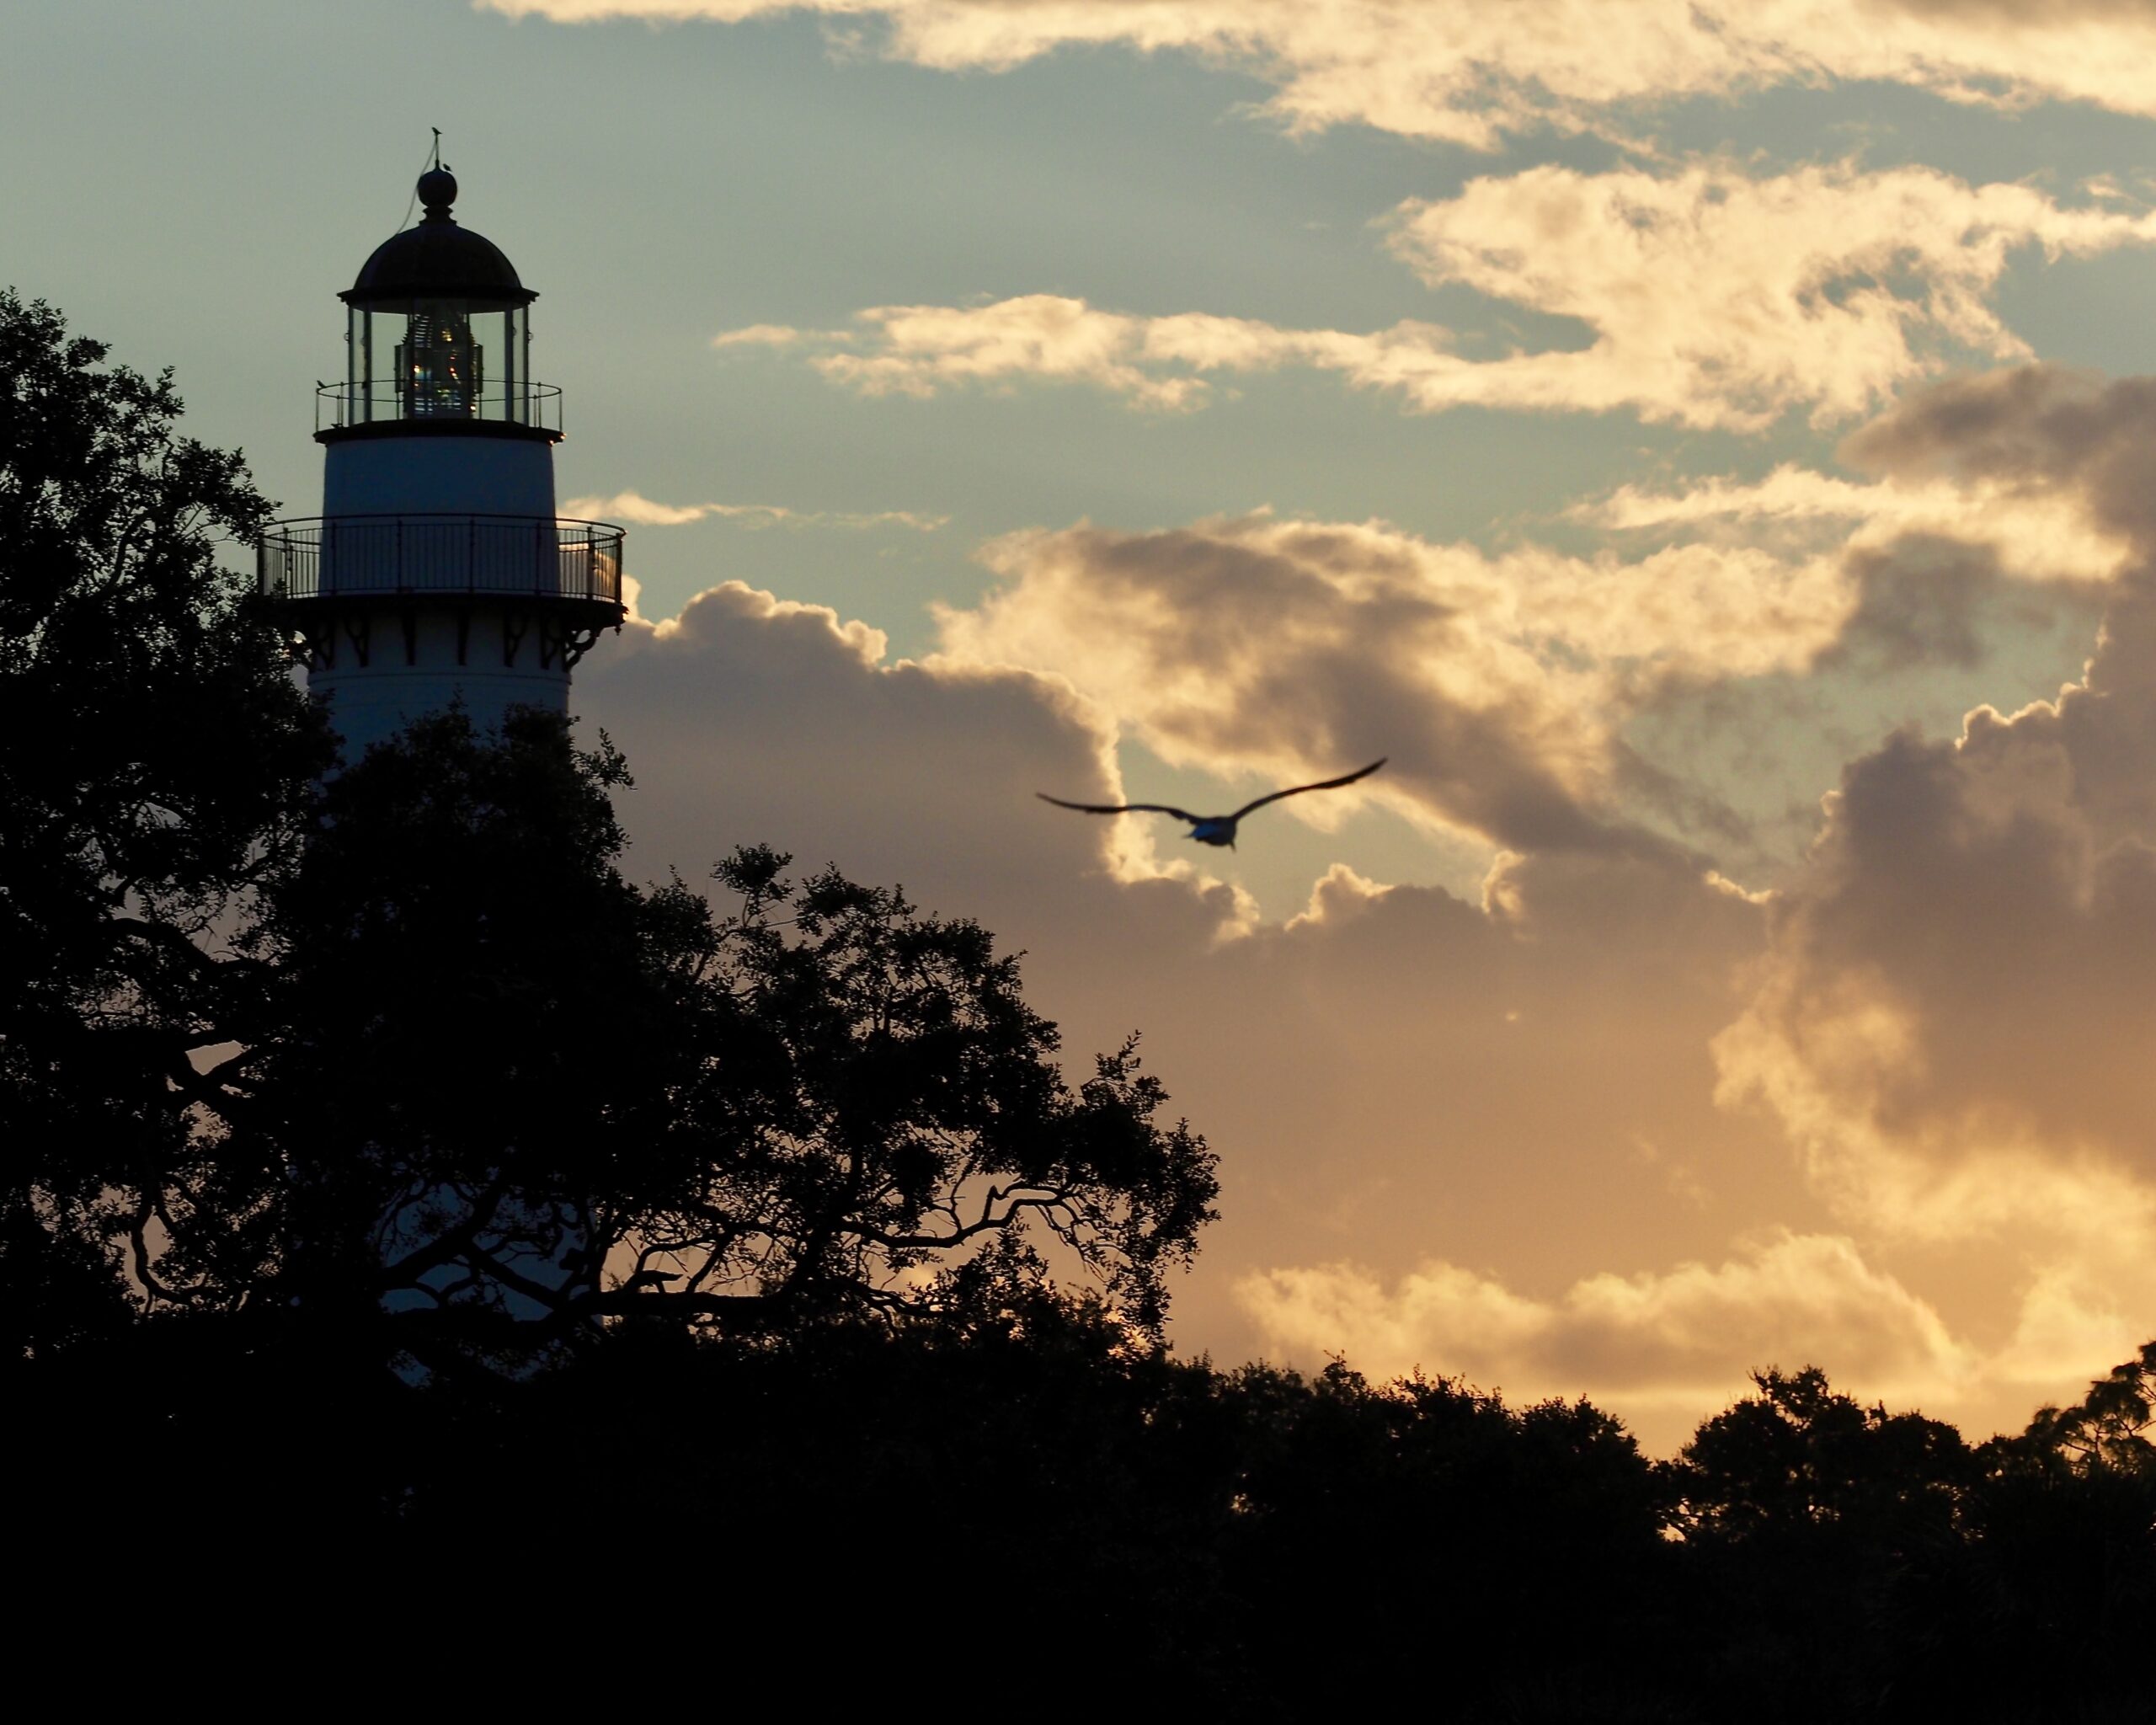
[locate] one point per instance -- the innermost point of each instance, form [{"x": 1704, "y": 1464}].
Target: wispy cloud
[
  {"x": 1710, "y": 298},
  {"x": 1471, "y": 74},
  {"x": 2038, "y": 535},
  {"x": 639, "y": 511},
  {"x": 769, "y": 335}
]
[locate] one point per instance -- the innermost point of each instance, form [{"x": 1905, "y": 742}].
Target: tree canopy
[
  {"x": 402, "y": 1203},
  {"x": 550, "y": 1094},
  {"x": 401, "y": 1048},
  {"x": 155, "y": 760}
]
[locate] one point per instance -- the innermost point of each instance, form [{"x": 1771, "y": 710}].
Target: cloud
[
  {"x": 767, "y": 335},
  {"x": 1497, "y": 685},
  {"x": 1914, "y": 609},
  {"x": 1959, "y": 962},
  {"x": 1961, "y": 958},
  {"x": 2047, "y": 535},
  {"x": 1946, "y": 1018},
  {"x": 1662, "y": 1348},
  {"x": 1710, "y": 297},
  {"x": 634, "y": 507},
  {"x": 1478, "y": 1132},
  {"x": 2031, "y": 432},
  {"x": 920, "y": 348},
  {"x": 1398, "y": 1065},
  {"x": 1471, "y": 74},
  {"x": 1716, "y": 297},
  {"x": 1941, "y": 570},
  {"x": 1646, "y": 1345}
]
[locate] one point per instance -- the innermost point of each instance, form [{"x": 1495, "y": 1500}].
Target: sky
[{"x": 1706, "y": 447}]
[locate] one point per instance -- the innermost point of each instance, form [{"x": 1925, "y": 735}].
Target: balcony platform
[{"x": 554, "y": 562}]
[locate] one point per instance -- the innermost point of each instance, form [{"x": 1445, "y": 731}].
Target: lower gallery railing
[{"x": 511, "y": 556}]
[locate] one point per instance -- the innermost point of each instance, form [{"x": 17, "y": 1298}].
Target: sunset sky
[{"x": 1709, "y": 446}]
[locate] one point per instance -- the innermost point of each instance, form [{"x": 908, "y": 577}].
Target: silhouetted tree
[
  {"x": 2106, "y": 1430},
  {"x": 409, "y": 1036},
  {"x": 154, "y": 759},
  {"x": 772, "y": 1217},
  {"x": 509, "y": 1084},
  {"x": 1797, "y": 1457},
  {"x": 1424, "y": 1534},
  {"x": 876, "y": 1103},
  {"x": 1823, "y": 1540},
  {"x": 969, "y": 1514},
  {"x": 2057, "y": 1598}
]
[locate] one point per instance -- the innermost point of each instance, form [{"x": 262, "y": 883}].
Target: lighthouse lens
[{"x": 440, "y": 364}]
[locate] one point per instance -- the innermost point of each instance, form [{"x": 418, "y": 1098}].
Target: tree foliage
[
  {"x": 774, "y": 1211},
  {"x": 529, "y": 1088},
  {"x": 2108, "y": 1429},
  {"x": 886, "y": 1099},
  {"x": 401, "y": 1053},
  {"x": 155, "y": 757},
  {"x": 1797, "y": 1457}
]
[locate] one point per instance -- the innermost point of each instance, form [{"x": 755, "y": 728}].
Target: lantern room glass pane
[
  {"x": 440, "y": 362},
  {"x": 510, "y": 347},
  {"x": 440, "y": 359}
]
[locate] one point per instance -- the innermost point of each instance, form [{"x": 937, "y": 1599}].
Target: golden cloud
[
  {"x": 1713, "y": 298},
  {"x": 1497, "y": 684},
  {"x": 633, "y": 506},
  {"x": 1471, "y": 74}
]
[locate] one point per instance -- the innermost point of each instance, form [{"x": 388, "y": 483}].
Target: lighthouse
[
  {"x": 438, "y": 572},
  {"x": 438, "y": 575}
]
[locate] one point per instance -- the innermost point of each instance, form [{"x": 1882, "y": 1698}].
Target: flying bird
[{"x": 1212, "y": 829}]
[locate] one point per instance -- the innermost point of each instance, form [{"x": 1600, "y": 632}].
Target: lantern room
[{"x": 438, "y": 334}]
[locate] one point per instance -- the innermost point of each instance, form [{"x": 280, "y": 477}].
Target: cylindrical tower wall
[
  {"x": 421, "y": 659},
  {"x": 397, "y": 475}
]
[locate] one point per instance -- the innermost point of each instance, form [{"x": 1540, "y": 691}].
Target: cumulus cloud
[
  {"x": 642, "y": 511},
  {"x": 1497, "y": 1111},
  {"x": 1471, "y": 74},
  {"x": 1495, "y": 684},
  {"x": 1647, "y": 1344},
  {"x": 1964, "y": 955},
  {"x": 1397, "y": 1065},
  {"x": 1711, "y": 298},
  {"x": 1960, "y": 957},
  {"x": 1945, "y": 1017}
]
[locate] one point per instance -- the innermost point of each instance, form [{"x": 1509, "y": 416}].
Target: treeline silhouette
[
  {"x": 422, "y": 1240},
  {"x": 1029, "y": 1513}
]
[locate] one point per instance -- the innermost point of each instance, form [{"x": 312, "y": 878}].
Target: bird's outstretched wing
[
  {"x": 1118, "y": 808},
  {"x": 1328, "y": 784}
]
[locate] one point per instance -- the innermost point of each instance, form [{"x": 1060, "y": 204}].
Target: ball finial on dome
[{"x": 437, "y": 192}]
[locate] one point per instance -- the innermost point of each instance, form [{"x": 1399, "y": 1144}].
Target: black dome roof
[{"x": 438, "y": 260}]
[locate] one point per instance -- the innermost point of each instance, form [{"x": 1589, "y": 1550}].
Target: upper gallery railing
[{"x": 391, "y": 401}]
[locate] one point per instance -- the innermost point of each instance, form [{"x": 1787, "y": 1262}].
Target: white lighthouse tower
[{"x": 437, "y": 571}]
